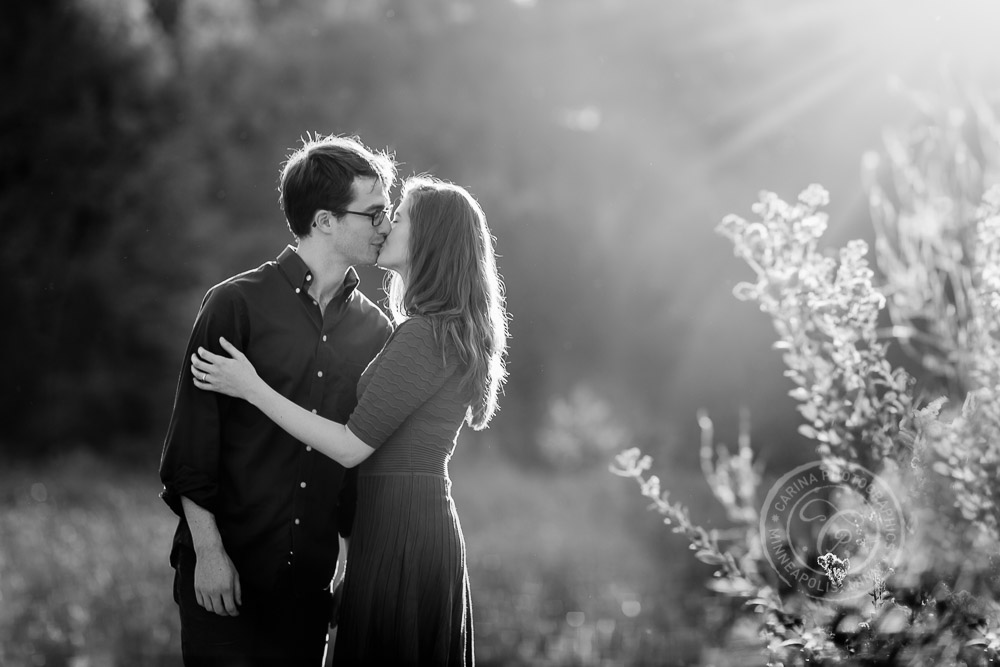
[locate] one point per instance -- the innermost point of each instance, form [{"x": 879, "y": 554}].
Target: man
[{"x": 260, "y": 513}]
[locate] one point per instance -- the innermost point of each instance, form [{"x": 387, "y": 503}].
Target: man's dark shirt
[{"x": 277, "y": 503}]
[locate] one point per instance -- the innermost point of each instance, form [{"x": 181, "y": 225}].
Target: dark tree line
[{"x": 89, "y": 254}]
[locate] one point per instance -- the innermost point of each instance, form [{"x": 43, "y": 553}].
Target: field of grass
[
  {"x": 84, "y": 577},
  {"x": 559, "y": 575}
]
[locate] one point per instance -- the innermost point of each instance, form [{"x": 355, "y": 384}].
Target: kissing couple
[{"x": 306, "y": 418}]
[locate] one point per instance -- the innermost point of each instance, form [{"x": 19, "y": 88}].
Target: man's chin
[{"x": 368, "y": 261}]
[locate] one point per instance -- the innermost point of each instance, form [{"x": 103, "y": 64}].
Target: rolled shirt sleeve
[{"x": 189, "y": 465}]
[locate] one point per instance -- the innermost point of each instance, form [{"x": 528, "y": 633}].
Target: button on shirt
[{"x": 278, "y": 504}]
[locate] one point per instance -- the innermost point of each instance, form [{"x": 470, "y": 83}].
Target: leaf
[
  {"x": 733, "y": 587},
  {"x": 799, "y": 394},
  {"x": 760, "y": 602},
  {"x": 710, "y": 557},
  {"x": 745, "y": 291}
]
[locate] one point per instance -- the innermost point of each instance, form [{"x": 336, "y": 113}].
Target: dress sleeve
[
  {"x": 408, "y": 371},
  {"x": 189, "y": 465}
]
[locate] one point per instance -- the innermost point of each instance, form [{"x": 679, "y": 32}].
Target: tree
[{"x": 91, "y": 250}]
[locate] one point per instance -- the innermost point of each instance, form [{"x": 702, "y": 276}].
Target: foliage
[
  {"x": 558, "y": 577},
  {"x": 967, "y": 451},
  {"x": 84, "y": 577},
  {"x": 938, "y": 605},
  {"x": 825, "y": 312},
  {"x": 580, "y": 431},
  {"x": 91, "y": 253},
  {"x": 923, "y": 191}
]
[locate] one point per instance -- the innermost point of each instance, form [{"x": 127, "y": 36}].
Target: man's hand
[{"x": 216, "y": 583}]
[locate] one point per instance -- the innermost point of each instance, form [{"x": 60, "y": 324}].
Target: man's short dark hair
[{"x": 321, "y": 173}]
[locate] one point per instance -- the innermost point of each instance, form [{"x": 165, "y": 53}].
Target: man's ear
[{"x": 322, "y": 219}]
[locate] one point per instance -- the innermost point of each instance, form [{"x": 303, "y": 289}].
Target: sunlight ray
[
  {"x": 781, "y": 86},
  {"x": 752, "y": 25},
  {"x": 766, "y": 124}
]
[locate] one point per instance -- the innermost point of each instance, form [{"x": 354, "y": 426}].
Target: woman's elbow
[
  {"x": 352, "y": 461},
  {"x": 355, "y": 451},
  {"x": 355, "y": 458}
]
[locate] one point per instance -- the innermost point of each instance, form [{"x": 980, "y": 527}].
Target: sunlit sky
[
  {"x": 853, "y": 50},
  {"x": 813, "y": 86}
]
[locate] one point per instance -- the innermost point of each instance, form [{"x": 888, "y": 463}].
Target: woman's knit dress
[{"x": 406, "y": 592}]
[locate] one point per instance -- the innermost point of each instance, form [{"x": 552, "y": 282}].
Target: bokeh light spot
[{"x": 39, "y": 493}]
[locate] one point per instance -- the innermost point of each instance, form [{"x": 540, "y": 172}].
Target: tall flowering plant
[
  {"x": 825, "y": 311},
  {"x": 967, "y": 451},
  {"x": 862, "y": 413},
  {"x": 924, "y": 190}
]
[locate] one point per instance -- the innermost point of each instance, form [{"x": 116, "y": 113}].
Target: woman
[{"x": 406, "y": 592}]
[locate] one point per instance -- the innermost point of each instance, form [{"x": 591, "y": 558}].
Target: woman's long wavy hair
[{"x": 453, "y": 281}]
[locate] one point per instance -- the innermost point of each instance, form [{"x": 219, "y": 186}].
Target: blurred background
[{"x": 140, "y": 142}]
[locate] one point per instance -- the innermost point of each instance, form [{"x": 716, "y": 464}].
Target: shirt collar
[{"x": 300, "y": 275}]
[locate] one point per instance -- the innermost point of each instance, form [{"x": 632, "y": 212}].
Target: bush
[{"x": 939, "y": 457}]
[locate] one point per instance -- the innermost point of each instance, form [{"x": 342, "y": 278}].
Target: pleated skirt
[{"x": 406, "y": 590}]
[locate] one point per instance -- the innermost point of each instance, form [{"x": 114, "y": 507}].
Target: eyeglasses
[{"x": 377, "y": 218}]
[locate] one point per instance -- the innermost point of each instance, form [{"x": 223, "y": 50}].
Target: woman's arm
[{"x": 237, "y": 377}]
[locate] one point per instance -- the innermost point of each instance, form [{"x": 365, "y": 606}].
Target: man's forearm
[
  {"x": 204, "y": 531},
  {"x": 216, "y": 581}
]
